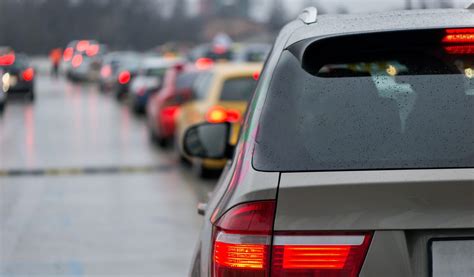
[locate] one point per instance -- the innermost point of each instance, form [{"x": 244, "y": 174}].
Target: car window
[
  {"x": 155, "y": 72},
  {"x": 394, "y": 110},
  {"x": 186, "y": 80},
  {"x": 238, "y": 89},
  {"x": 202, "y": 86}
]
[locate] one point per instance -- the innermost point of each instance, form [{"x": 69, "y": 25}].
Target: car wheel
[{"x": 31, "y": 96}]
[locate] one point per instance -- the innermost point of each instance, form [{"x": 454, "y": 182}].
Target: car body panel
[
  {"x": 376, "y": 200},
  {"x": 337, "y": 25}
]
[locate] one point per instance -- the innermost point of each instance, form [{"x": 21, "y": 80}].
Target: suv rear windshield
[
  {"x": 238, "y": 89},
  {"x": 394, "y": 109}
]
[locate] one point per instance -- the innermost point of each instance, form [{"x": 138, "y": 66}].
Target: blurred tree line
[{"x": 36, "y": 26}]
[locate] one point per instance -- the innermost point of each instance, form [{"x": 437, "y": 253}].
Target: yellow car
[{"x": 220, "y": 94}]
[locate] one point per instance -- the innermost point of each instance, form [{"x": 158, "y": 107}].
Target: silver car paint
[
  {"x": 388, "y": 251},
  {"x": 376, "y": 200}
]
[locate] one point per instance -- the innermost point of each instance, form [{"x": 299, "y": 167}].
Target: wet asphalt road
[{"x": 139, "y": 222}]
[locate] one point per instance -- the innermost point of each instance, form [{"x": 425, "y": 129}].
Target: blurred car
[
  {"x": 148, "y": 80},
  {"x": 82, "y": 60},
  {"x": 353, "y": 161},
  {"x": 251, "y": 52},
  {"x": 18, "y": 74},
  {"x": 110, "y": 67},
  {"x": 127, "y": 69},
  {"x": 220, "y": 94},
  {"x": 211, "y": 52},
  {"x": 163, "y": 107}
]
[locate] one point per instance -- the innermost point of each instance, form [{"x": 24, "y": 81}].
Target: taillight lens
[
  {"x": 242, "y": 239},
  {"x": 28, "y": 74},
  {"x": 77, "y": 61},
  {"x": 459, "y": 36},
  {"x": 124, "y": 77},
  {"x": 242, "y": 246},
  {"x": 82, "y": 45},
  {"x": 219, "y": 115},
  {"x": 68, "y": 53},
  {"x": 204, "y": 63},
  {"x": 319, "y": 255},
  {"x": 92, "y": 50},
  {"x": 8, "y": 59}
]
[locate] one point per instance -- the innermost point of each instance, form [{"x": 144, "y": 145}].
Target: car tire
[{"x": 31, "y": 96}]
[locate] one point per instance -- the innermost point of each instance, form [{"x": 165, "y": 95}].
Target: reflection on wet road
[{"x": 132, "y": 214}]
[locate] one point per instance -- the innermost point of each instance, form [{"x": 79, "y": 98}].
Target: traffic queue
[{"x": 172, "y": 91}]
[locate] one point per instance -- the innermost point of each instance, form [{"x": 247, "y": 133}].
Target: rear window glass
[
  {"x": 155, "y": 72},
  {"x": 387, "y": 110},
  {"x": 202, "y": 85},
  {"x": 238, "y": 89},
  {"x": 186, "y": 80}
]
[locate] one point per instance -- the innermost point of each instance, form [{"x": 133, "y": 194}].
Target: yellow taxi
[{"x": 220, "y": 94}]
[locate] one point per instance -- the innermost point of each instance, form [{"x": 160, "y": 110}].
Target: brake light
[
  {"x": 256, "y": 75},
  {"x": 319, "y": 254},
  {"x": 170, "y": 112},
  {"x": 204, "y": 63},
  {"x": 82, "y": 45},
  {"x": 460, "y": 49},
  {"x": 241, "y": 243},
  {"x": 92, "y": 50},
  {"x": 219, "y": 115},
  {"x": 28, "y": 74},
  {"x": 68, "y": 53},
  {"x": 459, "y": 36},
  {"x": 124, "y": 77},
  {"x": 8, "y": 59},
  {"x": 242, "y": 246},
  {"x": 77, "y": 60}
]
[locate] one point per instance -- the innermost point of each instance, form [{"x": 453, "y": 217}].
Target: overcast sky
[{"x": 353, "y": 6}]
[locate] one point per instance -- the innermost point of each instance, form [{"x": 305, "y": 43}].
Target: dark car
[
  {"x": 356, "y": 157},
  {"x": 18, "y": 74}
]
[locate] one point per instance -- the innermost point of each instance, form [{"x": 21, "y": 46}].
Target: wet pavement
[{"x": 131, "y": 213}]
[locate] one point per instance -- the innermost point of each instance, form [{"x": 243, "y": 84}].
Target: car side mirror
[{"x": 208, "y": 141}]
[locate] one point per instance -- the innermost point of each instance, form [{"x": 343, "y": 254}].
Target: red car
[{"x": 163, "y": 107}]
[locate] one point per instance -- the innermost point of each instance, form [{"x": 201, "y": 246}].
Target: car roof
[
  {"x": 232, "y": 69},
  {"x": 333, "y": 25}
]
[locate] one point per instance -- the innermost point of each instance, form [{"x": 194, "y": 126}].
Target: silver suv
[{"x": 356, "y": 157}]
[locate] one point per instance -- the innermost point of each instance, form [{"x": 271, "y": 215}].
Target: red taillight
[
  {"x": 244, "y": 244},
  {"x": 319, "y": 255},
  {"x": 106, "y": 71},
  {"x": 459, "y": 36},
  {"x": 77, "y": 61},
  {"x": 68, "y": 53},
  {"x": 28, "y": 74},
  {"x": 82, "y": 45},
  {"x": 242, "y": 237},
  {"x": 460, "y": 49},
  {"x": 170, "y": 112},
  {"x": 204, "y": 63},
  {"x": 256, "y": 75},
  {"x": 124, "y": 77},
  {"x": 220, "y": 115},
  {"x": 8, "y": 59},
  {"x": 92, "y": 50}
]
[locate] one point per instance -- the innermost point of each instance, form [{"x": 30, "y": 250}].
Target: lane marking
[{"x": 85, "y": 170}]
